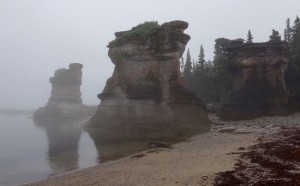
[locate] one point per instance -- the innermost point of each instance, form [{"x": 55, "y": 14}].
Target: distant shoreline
[{"x": 16, "y": 112}]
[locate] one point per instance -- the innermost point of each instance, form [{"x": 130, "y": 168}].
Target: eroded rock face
[
  {"x": 65, "y": 101},
  {"x": 258, "y": 81},
  {"x": 293, "y": 84},
  {"x": 145, "y": 97}
]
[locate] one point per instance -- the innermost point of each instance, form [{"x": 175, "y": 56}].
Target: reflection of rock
[
  {"x": 65, "y": 100},
  {"x": 115, "y": 149},
  {"x": 63, "y": 139},
  {"x": 293, "y": 84},
  {"x": 258, "y": 81},
  {"x": 145, "y": 97}
]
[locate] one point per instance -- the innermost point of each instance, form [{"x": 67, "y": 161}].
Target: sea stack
[
  {"x": 66, "y": 86},
  {"x": 65, "y": 101},
  {"x": 145, "y": 97},
  {"x": 258, "y": 88}
]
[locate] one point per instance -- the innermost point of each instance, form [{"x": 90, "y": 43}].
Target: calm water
[{"x": 30, "y": 152}]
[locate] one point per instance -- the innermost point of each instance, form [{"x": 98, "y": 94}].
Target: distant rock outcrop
[
  {"x": 258, "y": 87},
  {"x": 66, "y": 86},
  {"x": 65, "y": 102},
  {"x": 145, "y": 97}
]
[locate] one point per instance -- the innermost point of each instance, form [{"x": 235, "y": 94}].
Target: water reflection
[
  {"x": 109, "y": 149},
  {"x": 63, "y": 143},
  {"x": 27, "y": 157}
]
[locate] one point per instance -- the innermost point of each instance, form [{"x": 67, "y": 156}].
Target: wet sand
[{"x": 193, "y": 162}]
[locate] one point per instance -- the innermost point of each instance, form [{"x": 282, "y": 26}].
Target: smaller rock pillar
[
  {"x": 66, "y": 85},
  {"x": 65, "y": 102}
]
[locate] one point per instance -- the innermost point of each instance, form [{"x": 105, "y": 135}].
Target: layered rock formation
[
  {"x": 293, "y": 84},
  {"x": 145, "y": 97},
  {"x": 65, "y": 101},
  {"x": 258, "y": 87}
]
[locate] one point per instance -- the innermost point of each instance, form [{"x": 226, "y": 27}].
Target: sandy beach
[{"x": 192, "y": 162}]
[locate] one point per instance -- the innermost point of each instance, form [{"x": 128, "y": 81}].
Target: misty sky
[{"x": 39, "y": 36}]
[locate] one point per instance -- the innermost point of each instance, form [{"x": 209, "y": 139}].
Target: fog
[{"x": 39, "y": 36}]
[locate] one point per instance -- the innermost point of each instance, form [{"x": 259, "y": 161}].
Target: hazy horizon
[{"x": 39, "y": 36}]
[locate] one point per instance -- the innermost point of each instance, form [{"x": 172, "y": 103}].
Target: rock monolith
[
  {"x": 145, "y": 97},
  {"x": 65, "y": 102}
]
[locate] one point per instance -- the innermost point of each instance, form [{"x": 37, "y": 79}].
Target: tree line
[{"x": 211, "y": 81}]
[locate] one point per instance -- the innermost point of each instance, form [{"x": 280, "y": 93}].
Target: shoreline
[{"x": 192, "y": 162}]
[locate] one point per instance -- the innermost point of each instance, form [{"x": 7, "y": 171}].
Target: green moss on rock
[{"x": 140, "y": 33}]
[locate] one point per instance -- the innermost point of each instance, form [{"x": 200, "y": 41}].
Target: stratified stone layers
[
  {"x": 145, "y": 97},
  {"x": 65, "y": 102},
  {"x": 258, "y": 81}
]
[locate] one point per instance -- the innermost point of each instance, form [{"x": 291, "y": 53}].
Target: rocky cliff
[
  {"x": 258, "y": 86},
  {"x": 292, "y": 80},
  {"x": 145, "y": 97},
  {"x": 65, "y": 102}
]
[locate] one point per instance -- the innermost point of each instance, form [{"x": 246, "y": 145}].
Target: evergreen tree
[
  {"x": 208, "y": 65},
  {"x": 221, "y": 78},
  {"x": 275, "y": 37},
  {"x": 201, "y": 60},
  {"x": 297, "y": 20},
  {"x": 249, "y": 37},
  {"x": 293, "y": 71},
  {"x": 220, "y": 50},
  {"x": 187, "y": 72},
  {"x": 295, "y": 41},
  {"x": 194, "y": 66},
  {"x": 211, "y": 80},
  {"x": 288, "y": 31},
  {"x": 198, "y": 75}
]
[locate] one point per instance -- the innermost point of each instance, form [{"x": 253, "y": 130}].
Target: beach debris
[
  {"x": 138, "y": 156},
  {"x": 275, "y": 162},
  {"x": 156, "y": 144},
  {"x": 156, "y": 151},
  {"x": 227, "y": 130},
  {"x": 244, "y": 131}
]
